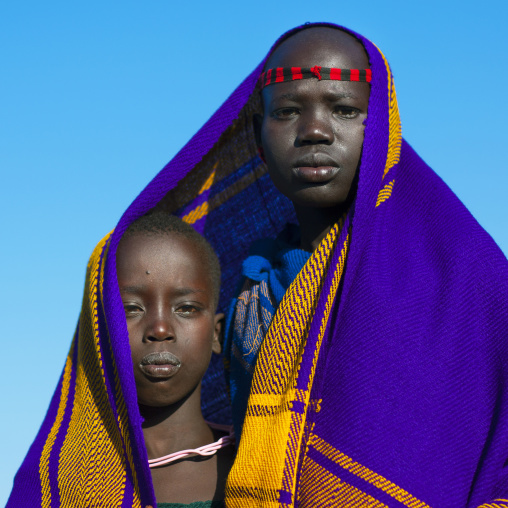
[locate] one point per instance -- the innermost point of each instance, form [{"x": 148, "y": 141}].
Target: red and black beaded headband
[{"x": 282, "y": 74}]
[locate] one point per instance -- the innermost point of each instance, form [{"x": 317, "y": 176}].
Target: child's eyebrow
[
  {"x": 329, "y": 96},
  {"x": 342, "y": 95},
  {"x": 132, "y": 289},
  {"x": 187, "y": 291},
  {"x": 179, "y": 291}
]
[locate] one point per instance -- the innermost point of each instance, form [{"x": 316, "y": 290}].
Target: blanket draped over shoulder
[{"x": 382, "y": 377}]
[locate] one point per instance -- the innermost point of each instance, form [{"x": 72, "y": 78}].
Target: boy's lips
[
  {"x": 161, "y": 365},
  {"x": 321, "y": 174},
  {"x": 315, "y": 168}
]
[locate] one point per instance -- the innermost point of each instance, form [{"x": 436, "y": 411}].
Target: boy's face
[
  {"x": 169, "y": 305},
  {"x": 311, "y": 131}
]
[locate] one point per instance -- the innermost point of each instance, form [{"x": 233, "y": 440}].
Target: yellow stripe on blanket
[
  {"x": 272, "y": 433},
  {"x": 395, "y": 130},
  {"x": 229, "y": 192},
  {"x": 322, "y": 488},
  {"x": 497, "y": 503},
  {"x": 94, "y": 439},
  {"x": 365, "y": 473},
  {"x": 50, "y": 441},
  {"x": 385, "y": 193}
]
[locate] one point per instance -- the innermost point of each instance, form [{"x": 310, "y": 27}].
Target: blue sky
[{"x": 97, "y": 96}]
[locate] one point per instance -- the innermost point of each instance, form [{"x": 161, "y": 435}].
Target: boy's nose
[
  {"x": 161, "y": 329},
  {"x": 315, "y": 129}
]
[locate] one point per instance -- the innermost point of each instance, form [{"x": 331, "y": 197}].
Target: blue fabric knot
[
  {"x": 256, "y": 268},
  {"x": 276, "y": 260}
]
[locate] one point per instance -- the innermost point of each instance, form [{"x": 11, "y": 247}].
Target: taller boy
[{"x": 376, "y": 382}]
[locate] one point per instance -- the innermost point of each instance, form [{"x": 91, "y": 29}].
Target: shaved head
[
  {"x": 311, "y": 131},
  {"x": 318, "y": 46}
]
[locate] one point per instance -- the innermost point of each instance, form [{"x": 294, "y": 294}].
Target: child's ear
[
  {"x": 257, "y": 122},
  {"x": 218, "y": 333}
]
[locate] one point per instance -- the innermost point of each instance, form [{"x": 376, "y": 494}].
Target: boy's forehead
[
  {"x": 139, "y": 248},
  {"x": 324, "y": 46}
]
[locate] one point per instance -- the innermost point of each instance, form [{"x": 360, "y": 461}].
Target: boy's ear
[
  {"x": 257, "y": 122},
  {"x": 218, "y": 333}
]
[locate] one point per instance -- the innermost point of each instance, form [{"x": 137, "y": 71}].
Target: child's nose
[
  {"x": 161, "y": 329},
  {"x": 315, "y": 128}
]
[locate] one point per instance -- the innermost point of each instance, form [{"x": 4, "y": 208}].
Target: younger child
[
  {"x": 124, "y": 427},
  {"x": 169, "y": 280}
]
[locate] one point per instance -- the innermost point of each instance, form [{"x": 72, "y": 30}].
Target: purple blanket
[{"x": 412, "y": 370}]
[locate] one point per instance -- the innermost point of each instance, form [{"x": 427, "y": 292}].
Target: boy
[
  {"x": 125, "y": 423},
  {"x": 353, "y": 366},
  {"x": 169, "y": 280}
]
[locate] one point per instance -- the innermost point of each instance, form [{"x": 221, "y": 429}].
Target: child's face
[
  {"x": 312, "y": 131},
  {"x": 169, "y": 305}
]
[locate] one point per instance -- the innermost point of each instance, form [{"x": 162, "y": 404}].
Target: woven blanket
[
  {"x": 380, "y": 380},
  {"x": 389, "y": 390}
]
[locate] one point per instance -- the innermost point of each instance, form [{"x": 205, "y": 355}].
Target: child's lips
[
  {"x": 160, "y": 365},
  {"x": 320, "y": 174},
  {"x": 315, "y": 168}
]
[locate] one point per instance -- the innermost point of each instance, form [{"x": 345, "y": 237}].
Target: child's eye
[
  {"x": 186, "y": 310},
  {"x": 283, "y": 113},
  {"x": 132, "y": 309},
  {"x": 346, "y": 111}
]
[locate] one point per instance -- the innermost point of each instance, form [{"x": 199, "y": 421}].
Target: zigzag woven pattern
[
  {"x": 385, "y": 193},
  {"x": 92, "y": 431},
  {"x": 345, "y": 462},
  {"x": 395, "y": 129}
]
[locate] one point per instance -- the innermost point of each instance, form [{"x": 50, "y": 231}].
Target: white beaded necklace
[{"x": 205, "y": 450}]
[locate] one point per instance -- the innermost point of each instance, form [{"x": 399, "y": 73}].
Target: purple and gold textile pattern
[
  {"x": 406, "y": 404},
  {"x": 85, "y": 458},
  {"x": 371, "y": 397}
]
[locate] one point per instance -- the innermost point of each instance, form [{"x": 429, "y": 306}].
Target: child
[
  {"x": 125, "y": 426},
  {"x": 169, "y": 280},
  {"x": 358, "y": 377}
]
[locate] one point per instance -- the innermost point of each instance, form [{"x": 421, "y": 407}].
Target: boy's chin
[
  {"x": 157, "y": 400},
  {"x": 318, "y": 198},
  {"x": 155, "y": 405}
]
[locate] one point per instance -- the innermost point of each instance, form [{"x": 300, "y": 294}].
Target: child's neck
[{"x": 173, "y": 428}]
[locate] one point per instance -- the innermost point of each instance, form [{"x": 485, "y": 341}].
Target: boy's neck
[
  {"x": 173, "y": 428},
  {"x": 315, "y": 224}
]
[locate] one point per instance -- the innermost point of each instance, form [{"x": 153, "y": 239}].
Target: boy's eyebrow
[
  {"x": 330, "y": 96},
  {"x": 179, "y": 291},
  {"x": 132, "y": 289},
  {"x": 186, "y": 291},
  {"x": 342, "y": 95}
]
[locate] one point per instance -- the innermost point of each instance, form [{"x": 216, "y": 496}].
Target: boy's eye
[
  {"x": 186, "y": 310},
  {"x": 346, "y": 111},
  {"x": 283, "y": 113},
  {"x": 132, "y": 309}
]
